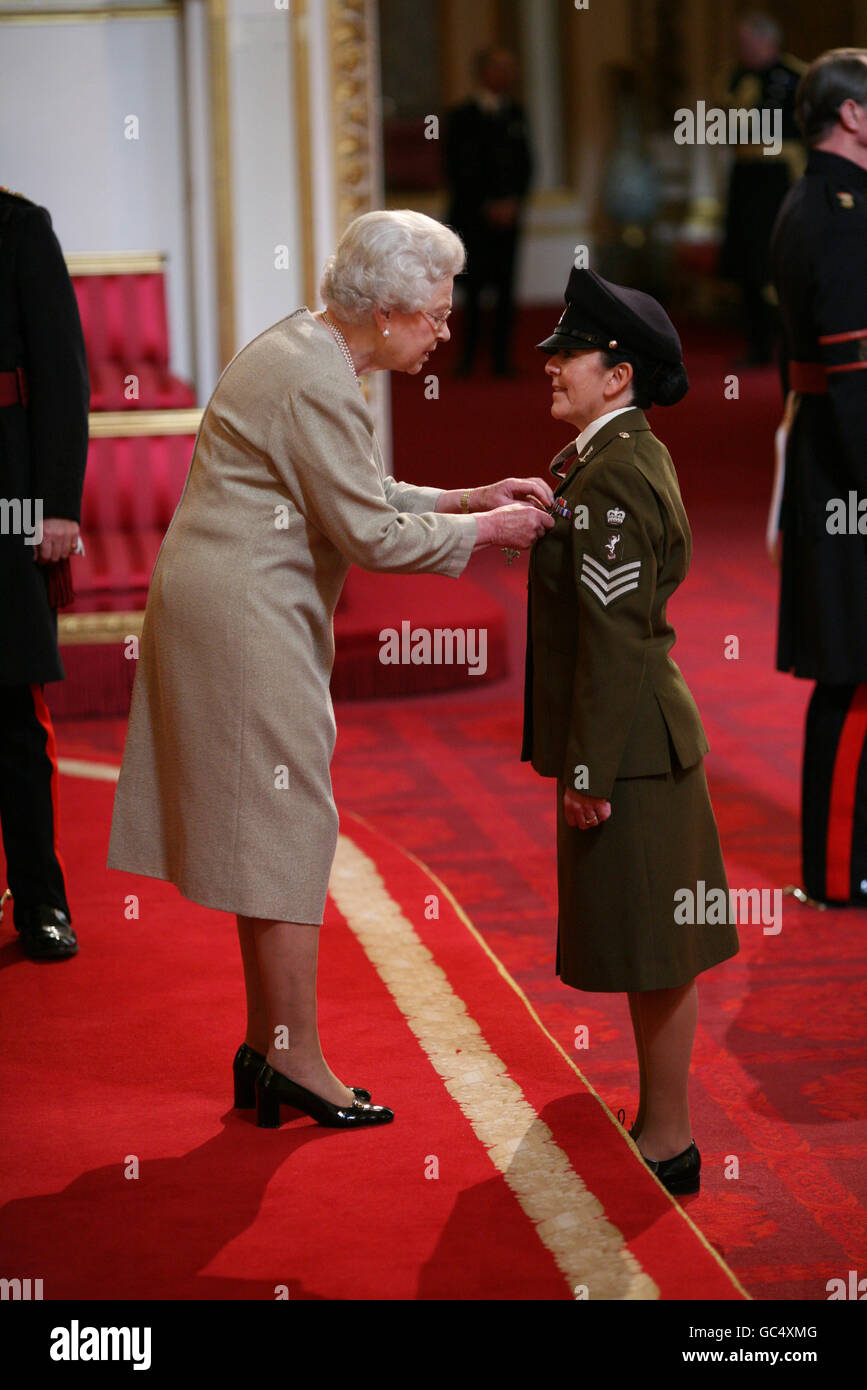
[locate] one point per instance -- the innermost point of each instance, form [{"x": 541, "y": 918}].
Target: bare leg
[
  {"x": 287, "y": 954},
  {"x": 258, "y": 1033},
  {"x": 642, "y": 1063},
  {"x": 667, "y": 1019}
]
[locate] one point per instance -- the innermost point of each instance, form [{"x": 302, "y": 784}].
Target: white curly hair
[{"x": 391, "y": 259}]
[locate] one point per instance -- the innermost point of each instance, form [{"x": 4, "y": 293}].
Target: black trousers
[
  {"x": 834, "y": 795},
  {"x": 28, "y": 801},
  {"x": 491, "y": 258}
]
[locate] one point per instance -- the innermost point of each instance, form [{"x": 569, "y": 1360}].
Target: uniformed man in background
[
  {"x": 819, "y": 256},
  {"x": 764, "y": 79},
  {"x": 44, "y": 399},
  {"x": 488, "y": 165}
]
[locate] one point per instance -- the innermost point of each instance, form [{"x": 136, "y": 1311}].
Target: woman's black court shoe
[
  {"x": 273, "y": 1090},
  {"x": 246, "y": 1068},
  {"x": 681, "y": 1174}
]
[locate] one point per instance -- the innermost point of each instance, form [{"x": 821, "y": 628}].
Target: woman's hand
[
  {"x": 583, "y": 812},
  {"x": 514, "y": 527},
  {"x": 484, "y": 499}
]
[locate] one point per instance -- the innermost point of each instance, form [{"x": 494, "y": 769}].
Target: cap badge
[
  {"x": 845, "y": 200},
  {"x": 616, "y": 516}
]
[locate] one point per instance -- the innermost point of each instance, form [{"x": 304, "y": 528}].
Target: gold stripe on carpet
[
  {"x": 569, "y": 1220},
  {"x": 98, "y": 772}
]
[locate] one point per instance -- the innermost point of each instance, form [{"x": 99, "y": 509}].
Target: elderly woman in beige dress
[{"x": 225, "y": 788}]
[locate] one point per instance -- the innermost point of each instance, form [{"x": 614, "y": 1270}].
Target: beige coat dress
[{"x": 225, "y": 788}]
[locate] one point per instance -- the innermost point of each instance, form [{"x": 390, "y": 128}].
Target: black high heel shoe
[
  {"x": 245, "y": 1069},
  {"x": 680, "y": 1174},
  {"x": 273, "y": 1090}
]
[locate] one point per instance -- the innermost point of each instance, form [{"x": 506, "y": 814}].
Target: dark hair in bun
[
  {"x": 653, "y": 383},
  {"x": 670, "y": 383}
]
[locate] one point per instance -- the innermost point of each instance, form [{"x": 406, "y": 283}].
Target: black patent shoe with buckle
[
  {"x": 45, "y": 933},
  {"x": 273, "y": 1090},
  {"x": 680, "y": 1174},
  {"x": 246, "y": 1068}
]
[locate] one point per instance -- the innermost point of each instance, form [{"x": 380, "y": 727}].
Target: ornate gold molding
[
  {"x": 352, "y": 31},
  {"x": 58, "y": 16},
  {"x": 299, "y": 29},
  {"x": 129, "y": 424},
  {"x": 115, "y": 262},
  {"x": 81, "y": 629},
  {"x": 221, "y": 167}
]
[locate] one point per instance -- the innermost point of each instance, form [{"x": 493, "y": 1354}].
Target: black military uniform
[
  {"x": 606, "y": 709},
  {"x": 819, "y": 259},
  {"x": 487, "y": 157},
  {"x": 758, "y": 183},
  {"x": 44, "y": 398}
]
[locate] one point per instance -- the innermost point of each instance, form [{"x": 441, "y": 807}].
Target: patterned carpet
[{"x": 779, "y": 1070}]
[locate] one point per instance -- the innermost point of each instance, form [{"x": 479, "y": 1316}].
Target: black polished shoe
[
  {"x": 680, "y": 1174},
  {"x": 246, "y": 1068},
  {"x": 45, "y": 934},
  {"x": 273, "y": 1090}
]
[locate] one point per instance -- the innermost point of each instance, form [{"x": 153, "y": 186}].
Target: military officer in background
[
  {"x": 819, "y": 256},
  {"x": 607, "y": 712},
  {"x": 488, "y": 165},
  {"x": 764, "y": 79},
  {"x": 44, "y": 399}
]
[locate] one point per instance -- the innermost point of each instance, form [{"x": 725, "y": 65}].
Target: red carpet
[
  {"x": 131, "y": 1177},
  {"x": 779, "y": 1073}
]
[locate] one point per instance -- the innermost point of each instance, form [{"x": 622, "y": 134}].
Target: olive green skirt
[{"x": 617, "y": 927}]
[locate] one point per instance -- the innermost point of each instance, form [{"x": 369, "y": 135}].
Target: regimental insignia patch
[
  {"x": 845, "y": 200},
  {"x": 609, "y": 584},
  {"x": 611, "y": 546}
]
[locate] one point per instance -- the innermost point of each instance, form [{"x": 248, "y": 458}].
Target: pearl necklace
[{"x": 341, "y": 343}]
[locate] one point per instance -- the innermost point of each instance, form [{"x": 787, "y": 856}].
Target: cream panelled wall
[
  {"x": 238, "y": 137},
  {"x": 92, "y": 115}
]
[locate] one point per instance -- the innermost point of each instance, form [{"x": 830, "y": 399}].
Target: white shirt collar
[
  {"x": 589, "y": 430},
  {"x": 489, "y": 101}
]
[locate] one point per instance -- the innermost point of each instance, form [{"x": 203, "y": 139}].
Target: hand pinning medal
[{"x": 557, "y": 508}]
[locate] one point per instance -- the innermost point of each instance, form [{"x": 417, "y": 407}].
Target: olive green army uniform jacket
[{"x": 603, "y": 698}]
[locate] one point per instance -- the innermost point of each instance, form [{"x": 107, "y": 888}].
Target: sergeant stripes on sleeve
[{"x": 609, "y": 584}]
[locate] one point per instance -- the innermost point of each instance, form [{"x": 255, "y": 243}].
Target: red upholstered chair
[
  {"x": 122, "y": 302},
  {"x": 131, "y": 489}
]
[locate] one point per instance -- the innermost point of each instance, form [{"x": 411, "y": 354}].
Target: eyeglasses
[{"x": 437, "y": 320}]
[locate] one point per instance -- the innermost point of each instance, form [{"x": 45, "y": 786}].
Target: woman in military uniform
[{"x": 608, "y": 713}]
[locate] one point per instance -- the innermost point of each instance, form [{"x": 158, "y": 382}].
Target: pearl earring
[{"x": 385, "y": 332}]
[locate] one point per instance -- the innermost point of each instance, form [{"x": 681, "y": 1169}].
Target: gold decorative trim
[
  {"x": 568, "y": 1219},
  {"x": 352, "y": 28},
  {"x": 513, "y": 984},
  {"x": 115, "y": 262},
  {"x": 83, "y": 767},
  {"x": 221, "y": 168},
  {"x": 26, "y": 16},
  {"x": 128, "y": 424},
  {"x": 97, "y": 629},
  {"x": 299, "y": 22}
]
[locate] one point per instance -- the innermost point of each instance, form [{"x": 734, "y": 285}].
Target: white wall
[
  {"x": 264, "y": 179},
  {"x": 65, "y": 91}
]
